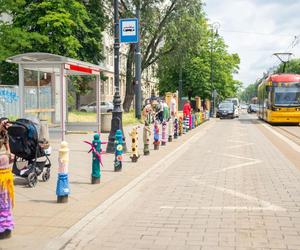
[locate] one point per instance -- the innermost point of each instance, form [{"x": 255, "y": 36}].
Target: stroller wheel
[
  {"x": 32, "y": 179},
  {"x": 46, "y": 175}
]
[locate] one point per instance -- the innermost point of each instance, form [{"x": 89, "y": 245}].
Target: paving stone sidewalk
[
  {"x": 39, "y": 218},
  {"x": 229, "y": 188}
]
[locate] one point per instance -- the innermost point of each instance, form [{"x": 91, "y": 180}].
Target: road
[{"x": 234, "y": 185}]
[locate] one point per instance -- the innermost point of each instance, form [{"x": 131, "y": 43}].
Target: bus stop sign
[{"x": 129, "y": 30}]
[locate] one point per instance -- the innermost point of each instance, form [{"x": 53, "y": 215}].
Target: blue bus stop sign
[{"x": 129, "y": 30}]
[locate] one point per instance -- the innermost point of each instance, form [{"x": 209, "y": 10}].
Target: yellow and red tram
[{"x": 279, "y": 99}]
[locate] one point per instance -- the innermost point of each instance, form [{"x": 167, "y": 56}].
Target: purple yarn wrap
[{"x": 6, "y": 219}]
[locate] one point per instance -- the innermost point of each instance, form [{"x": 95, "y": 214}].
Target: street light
[
  {"x": 116, "y": 121},
  {"x": 214, "y": 33},
  {"x": 284, "y": 57}
]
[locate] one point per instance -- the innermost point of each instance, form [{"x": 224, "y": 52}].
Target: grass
[{"x": 77, "y": 116}]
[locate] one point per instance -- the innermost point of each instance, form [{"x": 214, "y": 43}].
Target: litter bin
[{"x": 106, "y": 121}]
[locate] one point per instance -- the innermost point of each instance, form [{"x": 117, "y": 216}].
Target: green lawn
[{"x": 77, "y": 116}]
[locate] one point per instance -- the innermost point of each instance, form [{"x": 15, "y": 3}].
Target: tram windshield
[{"x": 287, "y": 96}]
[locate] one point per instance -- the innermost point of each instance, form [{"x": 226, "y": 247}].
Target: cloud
[{"x": 255, "y": 29}]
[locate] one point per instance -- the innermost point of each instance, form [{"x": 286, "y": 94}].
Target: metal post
[
  {"x": 180, "y": 88},
  {"x": 38, "y": 92},
  {"x": 21, "y": 91},
  {"x": 138, "y": 96},
  {"x": 98, "y": 106},
  {"x": 62, "y": 101},
  {"x": 116, "y": 122},
  {"x": 211, "y": 73}
]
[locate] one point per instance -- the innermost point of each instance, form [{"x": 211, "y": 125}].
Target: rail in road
[{"x": 292, "y": 132}]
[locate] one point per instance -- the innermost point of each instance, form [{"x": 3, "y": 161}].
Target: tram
[{"x": 279, "y": 99}]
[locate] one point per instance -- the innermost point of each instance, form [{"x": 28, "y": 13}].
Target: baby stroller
[{"x": 31, "y": 157}]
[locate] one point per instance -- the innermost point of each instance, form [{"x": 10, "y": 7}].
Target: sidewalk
[{"x": 38, "y": 218}]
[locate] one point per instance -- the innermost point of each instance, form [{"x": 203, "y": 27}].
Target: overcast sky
[{"x": 255, "y": 29}]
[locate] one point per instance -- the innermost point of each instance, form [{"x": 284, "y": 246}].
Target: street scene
[{"x": 170, "y": 124}]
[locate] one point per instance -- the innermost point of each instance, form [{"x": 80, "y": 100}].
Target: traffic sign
[{"x": 129, "y": 30}]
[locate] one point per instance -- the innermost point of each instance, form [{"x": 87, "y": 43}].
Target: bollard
[
  {"x": 190, "y": 121},
  {"x": 193, "y": 121},
  {"x": 146, "y": 138},
  {"x": 96, "y": 158},
  {"x": 6, "y": 197},
  {"x": 156, "y": 136},
  {"x": 199, "y": 118},
  {"x": 186, "y": 124},
  {"x": 62, "y": 186},
  {"x": 175, "y": 128},
  {"x": 170, "y": 126},
  {"x": 180, "y": 126},
  {"x": 118, "y": 150},
  {"x": 164, "y": 133},
  {"x": 134, "y": 144}
]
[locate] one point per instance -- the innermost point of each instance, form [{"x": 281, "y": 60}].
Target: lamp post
[
  {"x": 284, "y": 57},
  {"x": 116, "y": 122},
  {"x": 214, "y": 32},
  {"x": 138, "y": 91}
]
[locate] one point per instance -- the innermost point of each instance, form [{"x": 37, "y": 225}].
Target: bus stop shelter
[{"x": 61, "y": 67}]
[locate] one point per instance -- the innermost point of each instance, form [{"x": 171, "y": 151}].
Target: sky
[{"x": 255, "y": 29}]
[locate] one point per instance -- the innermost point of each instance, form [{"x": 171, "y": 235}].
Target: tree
[
  {"x": 65, "y": 27},
  {"x": 156, "y": 16},
  {"x": 248, "y": 93},
  {"x": 202, "y": 57},
  {"x": 293, "y": 66}
]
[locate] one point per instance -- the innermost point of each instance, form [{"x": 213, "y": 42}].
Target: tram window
[{"x": 287, "y": 96}]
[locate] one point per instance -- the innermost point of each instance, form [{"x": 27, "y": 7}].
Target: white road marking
[
  {"x": 247, "y": 197},
  {"x": 239, "y": 157},
  {"x": 292, "y": 144},
  {"x": 241, "y": 144}
]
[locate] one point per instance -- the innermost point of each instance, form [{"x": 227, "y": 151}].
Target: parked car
[
  {"x": 244, "y": 106},
  {"x": 226, "y": 110},
  {"x": 91, "y": 107},
  {"x": 252, "y": 108}
]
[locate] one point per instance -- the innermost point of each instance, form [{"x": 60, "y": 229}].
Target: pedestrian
[
  {"x": 6, "y": 183},
  {"x": 187, "y": 111}
]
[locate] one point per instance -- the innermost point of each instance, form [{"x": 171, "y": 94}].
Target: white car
[{"x": 105, "y": 107}]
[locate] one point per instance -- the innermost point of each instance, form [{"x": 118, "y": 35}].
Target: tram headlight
[{"x": 275, "y": 109}]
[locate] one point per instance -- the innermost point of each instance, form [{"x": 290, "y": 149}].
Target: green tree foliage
[
  {"x": 248, "y": 93},
  {"x": 156, "y": 19},
  {"x": 201, "y": 55},
  {"x": 293, "y": 66},
  {"x": 66, "y": 27}
]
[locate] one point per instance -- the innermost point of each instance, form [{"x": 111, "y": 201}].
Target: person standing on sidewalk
[
  {"x": 187, "y": 111},
  {"x": 173, "y": 113},
  {"x": 6, "y": 183}
]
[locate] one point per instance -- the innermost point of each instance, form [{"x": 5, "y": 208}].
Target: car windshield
[
  {"x": 287, "y": 96},
  {"x": 225, "y": 105}
]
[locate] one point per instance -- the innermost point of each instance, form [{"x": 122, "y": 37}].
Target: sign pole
[{"x": 138, "y": 83}]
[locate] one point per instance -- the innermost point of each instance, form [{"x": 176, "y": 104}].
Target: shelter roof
[{"x": 51, "y": 63}]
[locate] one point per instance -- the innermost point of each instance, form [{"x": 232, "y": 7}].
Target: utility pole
[
  {"x": 214, "y": 29},
  {"x": 180, "y": 88},
  {"x": 116, "y": 122},
  {"x": 138, "y": 82}
]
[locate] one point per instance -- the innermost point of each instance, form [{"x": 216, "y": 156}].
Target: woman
[{"x": 6, "y": 183}]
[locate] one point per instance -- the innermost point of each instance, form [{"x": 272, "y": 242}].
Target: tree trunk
[{"x": 129, "y": 94}]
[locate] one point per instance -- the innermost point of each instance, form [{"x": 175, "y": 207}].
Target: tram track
[{"x": 295, "y": 137}]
